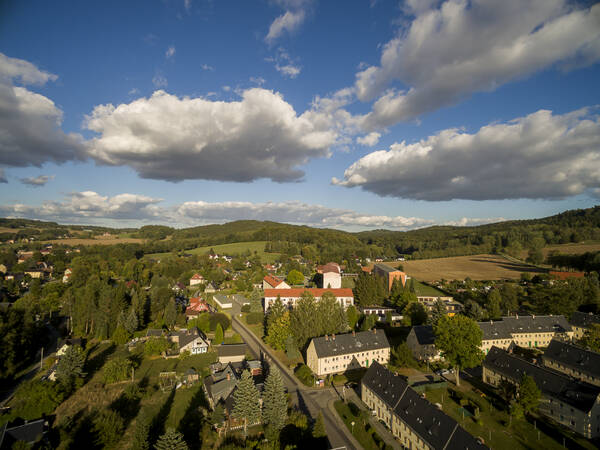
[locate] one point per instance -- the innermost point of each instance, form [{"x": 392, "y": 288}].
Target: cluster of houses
[{"x": 193, "y": 340}]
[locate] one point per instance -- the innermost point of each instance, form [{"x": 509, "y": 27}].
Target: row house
[
  {"x": 574, "y": 361},
  {"x": 414, "y": 421},
  {"x": 336, "y": 354},
  {"x": 524, "y": 331},
  {"x": 289, "y": 297},
  {"x": 572, "y": 403},
  {"x": 581, "y": 322}
]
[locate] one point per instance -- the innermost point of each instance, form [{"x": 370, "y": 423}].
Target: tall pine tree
[
  {"x": 274, "y": 404},
  {"x": 246, "y": 401}
]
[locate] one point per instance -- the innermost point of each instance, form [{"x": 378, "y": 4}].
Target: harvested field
[
  {"x": 99, "y": 241},
  {"x": 569, "y": 249},
  {"x": 476, "y": 267}
]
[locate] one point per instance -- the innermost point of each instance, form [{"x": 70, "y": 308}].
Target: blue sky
[{"x": 380, "y": 114}]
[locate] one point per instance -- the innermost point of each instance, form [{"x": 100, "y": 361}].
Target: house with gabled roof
[
  {"x": 273, "y": 282},
  {"x": 572, "y": 403},
  {"x": 197, "y": 279},
  {"x": 329, "y": 276},
  {"x": 192, "y": 340},
  {"x": 30, "y": 433},
  {"x": 413, "y": 420},
  {"x": 332, "y": 354},
  {"x": 421, "y": 341}
]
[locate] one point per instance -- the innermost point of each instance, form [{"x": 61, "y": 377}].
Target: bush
[
  {"x": 254, "y": 318},
  {"x": 108, "y": 426},
  {"x": 117, "y": 369},
  {"x": 217, "y": 318},
  {"x": 156, "y": 345},
  {"x": 246, "y": 308},
  {"x": 36, "y": 398}
]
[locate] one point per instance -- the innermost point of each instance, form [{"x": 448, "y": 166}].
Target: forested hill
[{"x": 511, "y": 237}]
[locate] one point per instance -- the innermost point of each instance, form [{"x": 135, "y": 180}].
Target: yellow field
[
  {"x": 568, "y": 249},
  {"x": 476, "y": 267}
]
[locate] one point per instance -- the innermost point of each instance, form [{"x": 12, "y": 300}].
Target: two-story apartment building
[
  {"x": 338, "y": 353},
  {"x": 412, "y": 419},
  {"x": 572, "y": 403},
  {"x": 574, "y": 361},
  {"x": 289, "y": 297},
  {"x": 581, "y": 322},
  {"x": 524, "y": 331}
]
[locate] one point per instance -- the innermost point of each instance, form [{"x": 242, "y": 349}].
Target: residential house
[
  {"x": 382, "y": 312},
  {"x": 524, "y": 331},
  {"x": 429, "y": 302},
  {"x": 290, "y": 297},
  {"x": 572, "y": 403},
  {"x": 273, "y": 282},
  {"x": 231, "y": 353},
  {"x": 63, "y": 345},
  {"x": 415, "y": 422},
  {"x": 192, "y": 340},
  {"x": 67, "y": 275},
  {"x": 336, "y": 354},
  {"x": 28, "y": 433},
  {"x": 581, "y": 322},
  {"x": 390, "y": 274},
  {"x": 574, "y": 361},
  {"x": 421, "y": 341},
  {"x": 197, "y": 279},
  {"x": 39, "y": 274},
  {"x": 330, "y": 276},
  {"x": 222, "y": 301},
  {"x": 210, "y": 288}
]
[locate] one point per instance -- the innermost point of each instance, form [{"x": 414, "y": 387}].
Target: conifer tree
[
  {"x": 255, "y": 302},
  {"x": 171, "y": 440},
  {"x": 131, "y": 321},
  {"x": 319, "y": 427},
  {"x": 246, "y": 401},
  {"x": 70, "y": 366},
  {"x": 219, "y": 334},
  {"x": 274, "y": 403},
  {"x": 170, "y": 313}
]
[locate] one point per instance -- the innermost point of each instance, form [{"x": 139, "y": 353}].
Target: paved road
[{"x": 310, "y": 400}]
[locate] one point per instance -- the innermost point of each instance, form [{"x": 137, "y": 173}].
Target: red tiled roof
[
  {"x": 297, "y": 292},
  {"x": 197, "y": 276},
  {"x": 273, "y": 281},
  {"x": 329, "y": 267},
  {"x": 565, "y": 275}
]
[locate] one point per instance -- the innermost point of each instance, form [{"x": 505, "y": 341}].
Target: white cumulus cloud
[
  {"x": 542, "y": 155},
  {"x": 30, "y": 131},
  {"x": 451, "y": 50},
  {"x": 369, "y": 140},
  {"x": 288, "y": 22},
  {"x": 172, "y": 138}
]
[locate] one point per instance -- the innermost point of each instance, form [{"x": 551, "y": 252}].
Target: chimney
[
  {"x": 326, "y": 337},
  {"x": 353, "y": 333},
  {"x": 333, "y": 337}
]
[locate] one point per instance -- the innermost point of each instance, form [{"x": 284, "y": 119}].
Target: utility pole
[{"x": 42, "y": 358}]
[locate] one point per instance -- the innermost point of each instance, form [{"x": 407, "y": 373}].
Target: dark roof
[
  {"x": 29, "y": 432},
  {"x": 231, "y": 350},
  {"x": 386, "y": 268},
  {"x": 343, "y": 344},
  {"x": 577, "y": 358},
  {"x": 424, "y": 334},
  {"x": 218, "y": 386},
  {"x": 575, "y": 393},
  {"x": 430, "y": 423},
  {"x": 505, "y": 328},
  {"x": 154, "y": 332},
  {"x": 186, "y": 336},
  {"x": 584, "y": 320}
]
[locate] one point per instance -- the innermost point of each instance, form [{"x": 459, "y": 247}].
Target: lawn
[
  {"x": 494, "y": 426},
  {"x": 236, "y": 248},
  {"x": 422, "y": 289},
  {"x": 362, "y": 430}
]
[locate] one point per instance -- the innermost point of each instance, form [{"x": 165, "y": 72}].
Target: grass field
[
  {"x": 423, "y": 289},
  {"x": 476, "y": 267},
  {"x": 236, "y": 248}
]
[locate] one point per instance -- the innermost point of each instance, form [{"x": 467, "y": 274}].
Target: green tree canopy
[
  {"x": 591, "y": 338},
  {"x": 295, "y": 277},
  {"x": 528, "y": 394},
  {"x": 171, "y": 440},
  {"x": 246, "y": 398},
  {"x": 70, "y": 366},
  {"x": 219, "y": 334},
  {"x": 458, "y": 338},
  {"x": 274, "y": 403}
]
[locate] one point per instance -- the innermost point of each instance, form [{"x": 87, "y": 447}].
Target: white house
[
  {"x": 289, "y": 297},
  {"x": 197, "y": 279}
]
